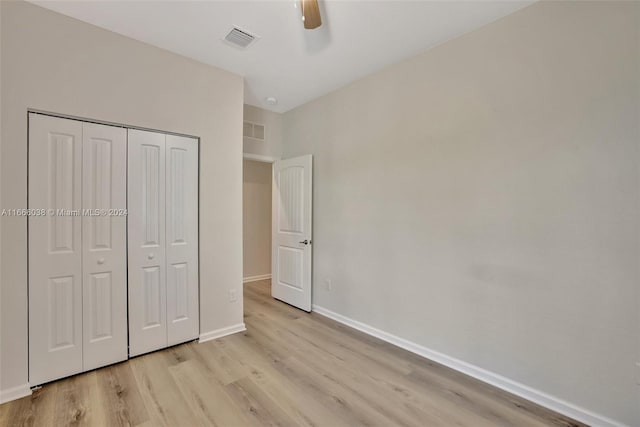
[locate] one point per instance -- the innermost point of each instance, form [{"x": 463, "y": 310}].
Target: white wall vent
[
  {"x": 253, "y": 130},
  {"x": 240, "y": 38}
]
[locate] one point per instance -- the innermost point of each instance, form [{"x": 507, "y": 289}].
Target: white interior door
[
  {"x": 291, "y": 253},
  {"x": 55, "y": 248},
  {"x": 146, "y": 242},
  {"x": 182, "y": 239},
  {"x": 104, "y": 240}
]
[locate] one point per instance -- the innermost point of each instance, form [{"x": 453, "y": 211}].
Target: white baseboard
[
  {"x": 256, "y": 278},
  {"x": 15, "y": 393},
  {"x": 223, "y": 332},
  {"x": 496, "y": 380}
]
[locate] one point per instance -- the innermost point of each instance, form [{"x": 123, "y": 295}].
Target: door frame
[
  {"x": 102, "y": 122},
  {"x": 259, "y": 158}
]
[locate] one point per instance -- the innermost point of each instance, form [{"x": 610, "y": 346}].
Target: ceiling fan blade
[{"x": 311, "y": 14}]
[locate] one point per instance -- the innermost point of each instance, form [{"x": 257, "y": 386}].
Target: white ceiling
[{"x": 289, "y": 63}]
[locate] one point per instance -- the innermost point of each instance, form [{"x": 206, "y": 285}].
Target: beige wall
[
  {"x": 256, "y": 214},
  {"x": 271, "y": 147},
  {"x": 55, "y": 63},
  {"x": 482, "y": 200}
]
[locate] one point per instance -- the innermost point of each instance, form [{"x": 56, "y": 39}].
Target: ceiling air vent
[
  {"x": 253, "y": 130},
  {"x": 239, "y": 38}
]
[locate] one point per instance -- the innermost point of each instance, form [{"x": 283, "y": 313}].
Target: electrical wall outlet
[
  {"x": 328, "y": 285},
  {"x": 232, "y": 295}
]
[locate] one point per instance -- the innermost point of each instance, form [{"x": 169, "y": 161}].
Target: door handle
[
  {"x": 101, "y": 261},
  {"x": 305, "y": 242},
  {"x": 151, "y": 255}
]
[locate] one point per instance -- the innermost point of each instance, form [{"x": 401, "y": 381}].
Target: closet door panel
[
  {"x": 104, "y": 245},
  {"x": 55, "y": 248},
  {"x": 146, "y": 242},
  {"x": 182, "y": 239}
]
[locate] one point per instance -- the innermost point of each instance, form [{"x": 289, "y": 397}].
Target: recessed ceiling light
[{"x": 271, "y": 100}]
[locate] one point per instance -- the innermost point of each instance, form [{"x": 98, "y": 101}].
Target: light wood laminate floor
[{"x": 289, "y": 368}]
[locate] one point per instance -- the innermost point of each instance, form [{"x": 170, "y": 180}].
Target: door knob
[
  {"x": 305, "y": 242},
  {"x": 100, "y": 260},
  {"x": 151, "y": 255}
]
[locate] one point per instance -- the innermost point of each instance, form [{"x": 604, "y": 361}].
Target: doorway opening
[
  {"x": 256, "y": 221},
  {"x": 277, "y": 221}
]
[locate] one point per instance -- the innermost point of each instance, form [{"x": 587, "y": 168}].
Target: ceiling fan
[{"x": 310, "y": 14}]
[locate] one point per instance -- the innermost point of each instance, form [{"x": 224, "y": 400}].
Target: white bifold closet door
[
  {"x": 147, "y": 278},
  {"x": 104, "y": 245},
  {"x": 77, "y": 263},
  {"x": 163, "y": 240},
  {"x": 183, "y": 318}
]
